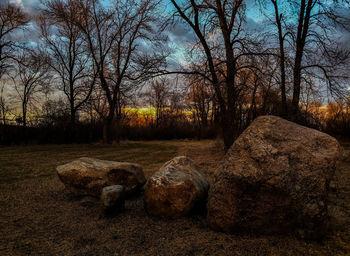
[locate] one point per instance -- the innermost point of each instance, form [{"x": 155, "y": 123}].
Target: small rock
[
  {"x": 112, "y": 200},
  {"x": 176, "y": 188},
  {"x": 346, "y": 156}
]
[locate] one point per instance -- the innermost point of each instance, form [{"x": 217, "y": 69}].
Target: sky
[
  {"x": 29, "y": 5},
  {"x": 32, "y": 6},
  {"x": 178, "y": 35}
]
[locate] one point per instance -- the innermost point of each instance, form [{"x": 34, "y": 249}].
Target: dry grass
[{"x": 39, "y": 217}]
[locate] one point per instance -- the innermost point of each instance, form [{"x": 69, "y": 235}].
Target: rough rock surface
[
  {"x": 112, "y": 200},
  {"x": 176, "y": 189},
  {"x": 88, "y": 176},
  {"x": 275, "y": 177}
]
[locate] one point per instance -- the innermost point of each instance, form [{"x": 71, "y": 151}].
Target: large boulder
[
  {"x": 275, "y": 177},
  {"x": 88, "y": 176},
  {"x": 176, "y": 189}
]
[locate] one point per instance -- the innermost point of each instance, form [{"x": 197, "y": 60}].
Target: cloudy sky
[
  {"x": 29, "y": 5},
  {"x": 179, "y": 35},
  {"x": 176, "y": 35},
  {"x": 32, "y": 5}
]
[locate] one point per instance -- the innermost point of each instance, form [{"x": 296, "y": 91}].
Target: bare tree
[
  {"x": 4, "y": 112},
  {"x": 218, "y": 26},
  {"x": 12, "y": 19},
  {"x": 66, "y": 48},
  {"x": 98, "y": 103},
  {"x": 282, "y": 58},
  {"x": 114, "y": 38},
  {"x": 4, "y": 107},
  {"x": 158, "y": 97},
  {"x": 54, "y": 111},
  {"x": 200, "y": 98},
  {"x": 31, "y": 76},
  {"x": 312, "y": 47}
]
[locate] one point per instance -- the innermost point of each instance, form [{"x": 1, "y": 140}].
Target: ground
[{"x": 38, "y": 216}]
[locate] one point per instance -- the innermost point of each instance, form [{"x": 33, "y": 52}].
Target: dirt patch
[{"x": 39, "y": 217}]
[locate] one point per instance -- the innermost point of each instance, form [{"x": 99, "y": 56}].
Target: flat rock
[
  {"x": 112, "y": 200},
  {"x": 176, "y": 189},
  {"x": 275, "y": 177},
  {"x": 88, "y": 176}
]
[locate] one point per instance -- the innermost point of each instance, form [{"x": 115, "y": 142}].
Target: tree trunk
[
  {"x": 108, "y": 130},
  {"x": 296, "y": 90},
  {"x": 303, "y": 26},
  {"x": 282, "y": 60},
  {"x": 117, "y": 128},
  {"x": 109, "y": 125},
  {"x": 229, "y": 127},
  {"x": 24, "y": 116},
  {"x": 157, "y": 116},
  {"x": 228, "y": 132},
  {"x": 3, "y": 128},
  {"x": 71, "y": 136}
]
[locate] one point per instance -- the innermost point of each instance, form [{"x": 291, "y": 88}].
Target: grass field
[{"x": 39, "y": 217}]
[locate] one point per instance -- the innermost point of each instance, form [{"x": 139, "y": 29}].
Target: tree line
[{"x": 93, "y": 65}]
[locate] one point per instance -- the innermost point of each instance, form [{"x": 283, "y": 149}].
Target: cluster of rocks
[
  {"x": 273, "y": 179},
  {"x": 111, "y": 181}
]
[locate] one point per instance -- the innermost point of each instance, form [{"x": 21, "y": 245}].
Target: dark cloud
[
  {"x": 30, "y": 6},
  {"x": 254, "y": 25},
  {"x": 342, "y": 30},
  {"x": 179, "y": 34}
]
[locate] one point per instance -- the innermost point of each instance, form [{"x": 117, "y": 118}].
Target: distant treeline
[
  {"x": 84, "y": 132},
  {"x": 168, "y": 124}
]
